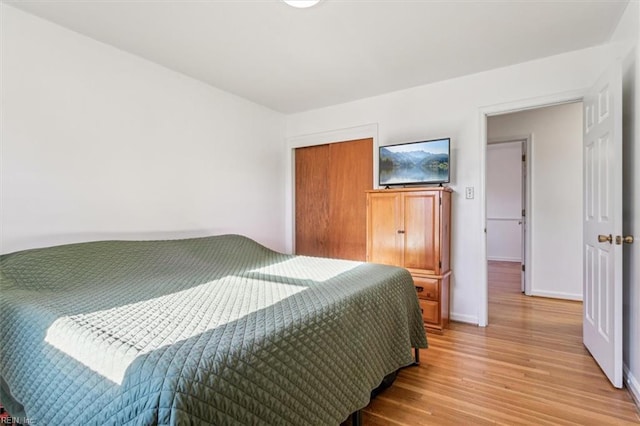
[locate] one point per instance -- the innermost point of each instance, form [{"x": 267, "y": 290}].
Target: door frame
[
  {"x": 483, "y": 114},
  {"x": 526, "y": 205}
]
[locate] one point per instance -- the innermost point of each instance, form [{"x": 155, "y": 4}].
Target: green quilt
[{"x": 217, "y": 330}]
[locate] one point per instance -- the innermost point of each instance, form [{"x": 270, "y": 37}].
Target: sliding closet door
[
  {"x": 350, "y": 175},
  {"x": 312, "y": 203},
  {"x": 331, "y": 181}
]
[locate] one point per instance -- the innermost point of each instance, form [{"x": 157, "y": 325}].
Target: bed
[{"x": 214, "y": 330}]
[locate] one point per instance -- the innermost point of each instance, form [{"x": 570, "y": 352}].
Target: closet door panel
[
  {"x": 350, "y": 175},
  {"x": 312, "y": 203}
]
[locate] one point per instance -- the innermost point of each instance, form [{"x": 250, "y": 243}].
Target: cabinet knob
[
  {"x": 400, "y": 231},
  {"x": 419, "y": 289}
]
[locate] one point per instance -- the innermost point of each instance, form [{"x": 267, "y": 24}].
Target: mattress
[{"x": 215, "y": 330}]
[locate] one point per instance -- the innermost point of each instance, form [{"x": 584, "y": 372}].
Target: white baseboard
[
  {"x": 470, "y": 319},
  {"x": 557, "y": 295},
  {"x": 633, "y": 385},
  {"x": 504, "y": 259}
]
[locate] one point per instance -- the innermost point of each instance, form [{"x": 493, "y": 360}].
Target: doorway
[{"x": 549, "y": 228}]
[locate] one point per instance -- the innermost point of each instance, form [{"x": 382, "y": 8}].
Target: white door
[
  {"x": 504, "y": 201},
  {"x": 602, "y": 254}
]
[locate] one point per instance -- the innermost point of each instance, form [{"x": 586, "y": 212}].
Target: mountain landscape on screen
[{"x": 399, "y": 167}]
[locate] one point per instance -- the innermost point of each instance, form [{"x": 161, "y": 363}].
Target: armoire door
[
  {"x": 422, "y": 231},
  {"x": 331, "y": 211},
  {"x": 385, "y": 228}
]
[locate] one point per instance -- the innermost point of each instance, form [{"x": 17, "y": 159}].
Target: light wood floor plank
[{"x": 528, "y": 367}]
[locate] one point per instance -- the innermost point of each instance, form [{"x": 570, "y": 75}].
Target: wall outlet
[{"x": 468, "y": 193}]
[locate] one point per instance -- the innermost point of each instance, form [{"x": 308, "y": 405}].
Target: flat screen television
[{"x": 414, "y": 163}]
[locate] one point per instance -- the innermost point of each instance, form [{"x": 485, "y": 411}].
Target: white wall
[
  {"x": 504, "y": 201},
  {"x": 101, "y": 144},
  {"x": 555, "y": 169},
  {"x": 453, "y": 108},
  {"x": 629, "y": 32}
]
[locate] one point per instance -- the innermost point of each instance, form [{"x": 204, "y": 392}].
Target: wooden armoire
[
  {"x": 411, "y": 228},
  {"x": 330, "y": 200}
]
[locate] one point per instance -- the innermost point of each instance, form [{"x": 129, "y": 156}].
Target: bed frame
[{"x": 356, "y": 417}]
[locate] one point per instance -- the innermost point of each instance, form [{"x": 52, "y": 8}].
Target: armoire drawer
[
  {"x": 430, "y": 311},
  {"x": 427, "y": 288}
]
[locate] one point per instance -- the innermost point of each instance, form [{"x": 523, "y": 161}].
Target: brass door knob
[
  {"x": 605, "y": 238},
  {"x": 627, "y": 239}
]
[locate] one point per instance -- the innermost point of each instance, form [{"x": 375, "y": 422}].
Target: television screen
[{"x": 414, "y": 163}]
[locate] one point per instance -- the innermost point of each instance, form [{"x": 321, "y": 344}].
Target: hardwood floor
[{"x": 527, "y": 367}]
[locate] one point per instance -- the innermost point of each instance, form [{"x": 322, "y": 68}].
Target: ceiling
[{"x": 293, "y": 60}]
